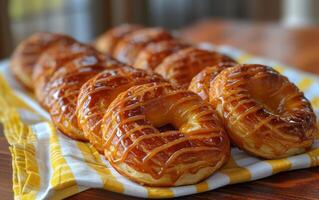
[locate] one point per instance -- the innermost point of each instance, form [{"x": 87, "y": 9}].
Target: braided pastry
[
  {"x": 107, "y": 42},
  {"x": 27, "y": 53},
  {"x": 153, "y": 54},
  {"x": 200, "y": 84},
  {"x": 265, "y": 114},
  {"x": 181, "y": 67},
  {"x": 129, "y": 46},
  {"x": 139, "y": 150},
  {"x": 97, "y": 93}
]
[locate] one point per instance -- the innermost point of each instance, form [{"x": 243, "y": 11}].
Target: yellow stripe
[
  {"x": 62, "y": 180},
  {"x": 66, "y": 192},
  {"x": 202, "y": 187},
  {"x": 6, "y": 92},
  {"x": 26, "y": 178},
  {"x": 305, "y": 83},
  {"x": 235, "y": 173},
  {"x": 315, "y": 103},
  {"x": 155, "y": 192},
  {"x": 62, "y": 177},
  {"x": 244, "y": 58},
  {"x": 279, "y": 165},
  {"x": 279, "y": 69},
  {"x": 314, "y": 157},
  {"x": 92, "y": 159},
  {"x": 15, "y": 176}
]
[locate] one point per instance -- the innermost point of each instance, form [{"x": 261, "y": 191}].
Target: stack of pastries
[{"x": 162, "y": 111}]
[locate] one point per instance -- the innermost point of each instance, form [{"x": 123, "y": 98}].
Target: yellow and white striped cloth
[{"x": 47, "y": 164}]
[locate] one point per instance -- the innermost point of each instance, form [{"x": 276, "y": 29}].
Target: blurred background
[{"x": 85, "y": 19}]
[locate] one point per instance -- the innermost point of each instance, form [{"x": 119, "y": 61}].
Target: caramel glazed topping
[
  {"x": 28, "y": 52},
  {"x": 132, "y": 139},
  {"x": 265, "y": 114},
  {"x": 122, "y": 110},
  {"x": 130, "y": 45},
  {"x": 60, "y": 56},
  {"x": 97, "y": 93},
  {"x": 183, "y": 65},
  {"x": 62, "y": 91}
]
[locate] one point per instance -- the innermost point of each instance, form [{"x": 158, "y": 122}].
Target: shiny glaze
[
  {"x": 62, "y": 93},
  {"x": 131, "y": 136},
  {"x": 200, "y": 84},
  {"x": 153, "y": 54},
  {"x": 129, "y": 46},
  {"x": 107, "y": 41},
  {"x": 71, "y": 54},
  {"x": 97, "y": 93},
  {"x": 181, "y": 67},
  {"x": 25, "y": 56},
  {"x": 265, "y": 114}
]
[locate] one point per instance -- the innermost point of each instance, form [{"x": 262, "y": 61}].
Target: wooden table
[{"x": 298, "y": 47}]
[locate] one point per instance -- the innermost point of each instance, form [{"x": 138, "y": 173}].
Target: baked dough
[
  {"x": 29, "y": 50},
  {"x": 62, "y": 94},
  {"x": 130, "y": 46},
  {"x": 135, "y": 146},
  {"x": 75, "y": 54},
  {"x": 107, "y": 41},
  {"x": 181, "y": 67},
  {"x": 200, "y": 84},
  {"x": 265, "y": 114},
  {"x": 97, "y": 93},
  {"x": 153, "y": 54}
]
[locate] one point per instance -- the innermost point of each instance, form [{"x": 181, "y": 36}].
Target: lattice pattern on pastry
[
  {"x": 270, "y": 129},
  {"x": 98, "y": 93},
  {"x": 131, "y": 137}
]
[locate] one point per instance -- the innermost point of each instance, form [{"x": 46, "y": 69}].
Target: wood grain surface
[{"x": 298, "y": 47}]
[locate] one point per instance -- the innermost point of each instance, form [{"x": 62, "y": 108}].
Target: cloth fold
[{"x": 47, "y": 164}]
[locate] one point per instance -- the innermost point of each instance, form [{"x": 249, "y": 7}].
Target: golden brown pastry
[
  {"x": 129, "y": 46},
  {"x": 153, "y": 54},
  {"x": 62, "y": 94},
  {"x": 57, "y": 57},
  {"x": 265, "y": 114},
  {"x": 107, "y": 41},
  {"x": 28, "y": 51},
  {"x": 136, "y": 148},
  {"x": 200, "y": 84},
  {"x": 181, "y": 67},
  {"x": 97, "y": 93}
]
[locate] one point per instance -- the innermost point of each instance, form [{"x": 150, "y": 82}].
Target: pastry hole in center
[
  {"x": 268, "y": 91},
  {"x": 167, "y": 127}
]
